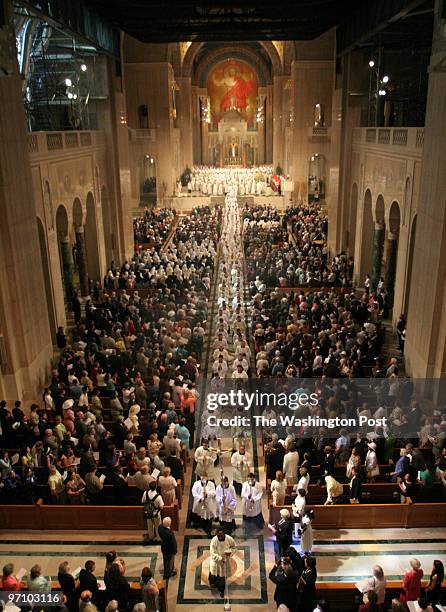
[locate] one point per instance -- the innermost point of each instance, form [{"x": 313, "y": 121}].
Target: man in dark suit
[
  {"x": 328, "y": 463},
  {"x": 88, "y": 581},
  {"x": 168, "y": 547},
  {"x": 176, "y": 466},
  {"x": 355, "y": 487}
]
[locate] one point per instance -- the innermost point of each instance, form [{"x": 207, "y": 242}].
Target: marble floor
[{"x": 345, "y": 556}]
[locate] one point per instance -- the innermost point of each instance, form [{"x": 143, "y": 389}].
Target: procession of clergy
[
  {"x": 209, "y": 181},
  {"x": 228, "y": 338}
]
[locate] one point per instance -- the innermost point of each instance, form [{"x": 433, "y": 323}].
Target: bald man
[{"x": 168, "y": 547}]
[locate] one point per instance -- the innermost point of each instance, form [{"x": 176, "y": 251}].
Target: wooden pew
[
  {"x": 55, "y": 517},
  {"x": 379, "y": 492},
  {"x": 371, "y": 516},
  {"x": 342, "y": 595}
]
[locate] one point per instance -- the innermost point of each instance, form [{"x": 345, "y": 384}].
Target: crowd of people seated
[
  {"x": 118, "y": 417},
  {"x": 83, "y": 591},
  {"x": 121, "y": 401},
  {"x": 292, "y": 251},
  {"x": 152, "y": 228},
  {"x": 186, "y": 262}
]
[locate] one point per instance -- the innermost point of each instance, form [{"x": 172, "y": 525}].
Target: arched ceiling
[{"x": 262, "y": 56}]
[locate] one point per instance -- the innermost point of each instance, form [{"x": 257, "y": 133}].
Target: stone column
[
  {"x": 278, "y": 121},
  {"x": 24, "y": 322},
  {"x": 82, "y": 261},
  {"x": 204, "y": 132},
  {"x": 392, "y": 250},
  {"x": 425, "y": 347},
  {"x": 67, "y": 268},
  {"x": 378, "y": 250}
]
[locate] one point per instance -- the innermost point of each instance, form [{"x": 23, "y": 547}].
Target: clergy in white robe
[
  {"x": 241, "y": 463},
  {"x": 252, "y": 494},
  {"x": 205, "y": 458},
  {"x": 220, "y": 551},
  {"x": 204, "y": 506},
  {"x": 226, "y": 505}
]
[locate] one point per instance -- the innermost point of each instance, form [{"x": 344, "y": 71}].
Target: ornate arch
[
  {"x": 254, "y": 60},
  {"x": 238, "y": 51}
]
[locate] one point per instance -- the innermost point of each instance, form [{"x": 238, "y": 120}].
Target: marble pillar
[
  {"x": 425, "y": 347},
  {"x": 82, "y": 261},
  {"x": 66, "y": 255},
  {"x": 392, "y": 250},
  {"x": 377, "y": 255},
  {"x": 24, "y": 319}
]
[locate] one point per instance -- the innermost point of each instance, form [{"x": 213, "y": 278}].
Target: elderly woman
[
  {"x": 278, "y": 489},
  {"x": 412, "y": 582},
  {"x": 167, "y": 485},
  {"x": 37, "y": 582}
]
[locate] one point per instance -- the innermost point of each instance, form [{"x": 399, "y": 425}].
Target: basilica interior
[{"x": 198, "y": 197}]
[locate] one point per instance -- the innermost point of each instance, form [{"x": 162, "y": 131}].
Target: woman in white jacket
[
  {"x": 371, "y": 462},
  {"x": 299, "y": 509}
]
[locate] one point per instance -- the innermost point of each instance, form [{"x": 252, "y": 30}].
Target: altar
[{"x": 233, "y": 144}]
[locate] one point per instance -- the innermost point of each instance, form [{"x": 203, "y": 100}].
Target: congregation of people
[
  {"x": 118, "y": 420},
  {"x": 291, "y": 251}
]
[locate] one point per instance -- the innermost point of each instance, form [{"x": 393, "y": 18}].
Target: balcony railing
[
  {"x": 40, "y": 143},
  {"x": 319, "y": 134},
  {"x": 409, "y": 138},
  {"x": 142, "y": 134}
]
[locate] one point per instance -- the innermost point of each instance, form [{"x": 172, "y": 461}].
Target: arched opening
[
  {"x": 91, "y": 240},
  {"x": 148, "y": 181},
  {"x": 392, "y": 250},
  {"x": 107, "y": 226},
  {"x": 413, "y": 233},
  {"x": 80, "y": 255},
  {"x": 316, "y": 178},
  {"x": 366, "y": 237},
  {"x": 378, "y": 242},
  {"x": 47, "y": 278},
  {"x": 65, "y": 252},
  {"x": 352, "y": 215}
]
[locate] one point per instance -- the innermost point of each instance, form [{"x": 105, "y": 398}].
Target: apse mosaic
[{"x": 233, "y": 84}]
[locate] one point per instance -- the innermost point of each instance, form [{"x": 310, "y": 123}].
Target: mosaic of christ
[{"x": 232, "y": 84}]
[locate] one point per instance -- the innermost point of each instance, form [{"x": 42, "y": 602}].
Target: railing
[
  {"x": 370, "y": 135},
  {"x": 409, "y": 138},
  {"x": 142, "y": 134},
  {"x": 383, "y": 136},
  {"x": 54, "y": 142},
  {"x": 400, "y": 138},
  {"x": 41, "y": 143},
  {"x": 71, "y": 140},
  {"x": 419, "y": 140},
  {"x": 319, "y": 134}
]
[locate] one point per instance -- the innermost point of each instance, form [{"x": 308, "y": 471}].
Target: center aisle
[{"x": 229, "y": 365}]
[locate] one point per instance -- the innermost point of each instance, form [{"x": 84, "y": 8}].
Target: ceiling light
[
  {"x": 371, "y": 63},
  {"x": 68, "y": 82},
  {"x": 84, "y": 67},
  {"x": 385, "y": 79},
  {"x": 70, "y": 95}
]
